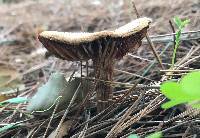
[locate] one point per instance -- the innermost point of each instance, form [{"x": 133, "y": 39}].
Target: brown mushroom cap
[{"x": 84, "y": 46}]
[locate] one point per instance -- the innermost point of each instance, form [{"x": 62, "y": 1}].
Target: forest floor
[{"x": 23, "y": 58}]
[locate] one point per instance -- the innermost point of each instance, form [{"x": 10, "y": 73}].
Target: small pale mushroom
[{"x": 104, "y": 48}]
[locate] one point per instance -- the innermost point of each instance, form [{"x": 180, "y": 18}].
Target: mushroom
[{"x": 104, "y": 48}]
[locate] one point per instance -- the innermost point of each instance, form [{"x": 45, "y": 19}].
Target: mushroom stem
[{"x": 103, "y": 69}]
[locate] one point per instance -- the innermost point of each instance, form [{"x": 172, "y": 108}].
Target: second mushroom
[{"x": 104, "y": 48}]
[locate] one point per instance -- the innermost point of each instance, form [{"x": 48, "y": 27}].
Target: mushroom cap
[{"x": 76, "y": 46}]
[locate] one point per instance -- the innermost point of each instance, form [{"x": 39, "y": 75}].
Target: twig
[
  {"x": 154, "y": 61},
  {"x": 154, "y": 104},
  {"x": 166, "y": 38},
  {"x": 124, "y": 117},
  {"x": 114, "y": 83},
  {"x": 197, "y": 32},
  {"x": 173, "y": 31},
  {"x": 180, "y": 74},
  {"x": 133, "y": 74},
  {"x": 45, "y": 121},
  {"x": 107, "y": 110},
  {"x": 190, "y": 111},
  {"x": 11, "y": 30},
  {"x": 145, "y": 59},
  {"x": 96, "y": 128},
  {"x": 51, "y": 118},
  {"x": 167, "y": 129},
  {"x": 186, "y": 131},
  {"x": 149, "y": 40},
  {"x": 66, "y": 111},
  {"x": 82, "y": 134},
  {"x": 89, "y": 94},
  {"x": 180, "y": 64}
]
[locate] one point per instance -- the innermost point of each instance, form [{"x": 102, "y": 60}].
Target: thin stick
[
  {"x": 182, "y": 33},
  {"x": 67, "y": 110},
  {"x": 51, "y": 118},
  {"x": 174, "y": 41},
  {"x": 132, "y": 74},
  {"x": 173, "y": 31},
  {"x": 82, "y": 134},
  {"x": 109, "y": 108},
  {"x": 124, "y": 117},
  {"x": 149, "y": 40}
]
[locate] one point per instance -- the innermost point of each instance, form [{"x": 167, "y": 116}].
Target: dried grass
[{"x": 21, "y": 22}]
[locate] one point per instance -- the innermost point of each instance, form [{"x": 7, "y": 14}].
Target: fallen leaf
[
  {"x": 48, "y": 94},
  {"x": 7, "y": 74},
  {"x": 10, "y": 82}
]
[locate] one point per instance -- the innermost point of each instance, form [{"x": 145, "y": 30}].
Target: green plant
[
  {"x": 180, "y": 25},
  {"x": 187, "y": 90}
]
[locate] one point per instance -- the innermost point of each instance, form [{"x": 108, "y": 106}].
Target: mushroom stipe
[{"x": 104, "y": 48}]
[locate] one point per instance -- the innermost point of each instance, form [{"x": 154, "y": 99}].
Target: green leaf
[
  {"x": 186, "y": 91},
  {"x": 177, "y": 21},
  {"x": 171, "y": 103},
  {"x": 185, "y": 22},
  {"x": 180, "y": 24},
  {"x": 178, "y": 34},
  {"x": 172, "y": 90},
  {"x": 155, "y": 135},
  {"x": 190, "y": 85},
  {"x": 16, "y": 100},
  {"x": 133, "y": 136}
]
